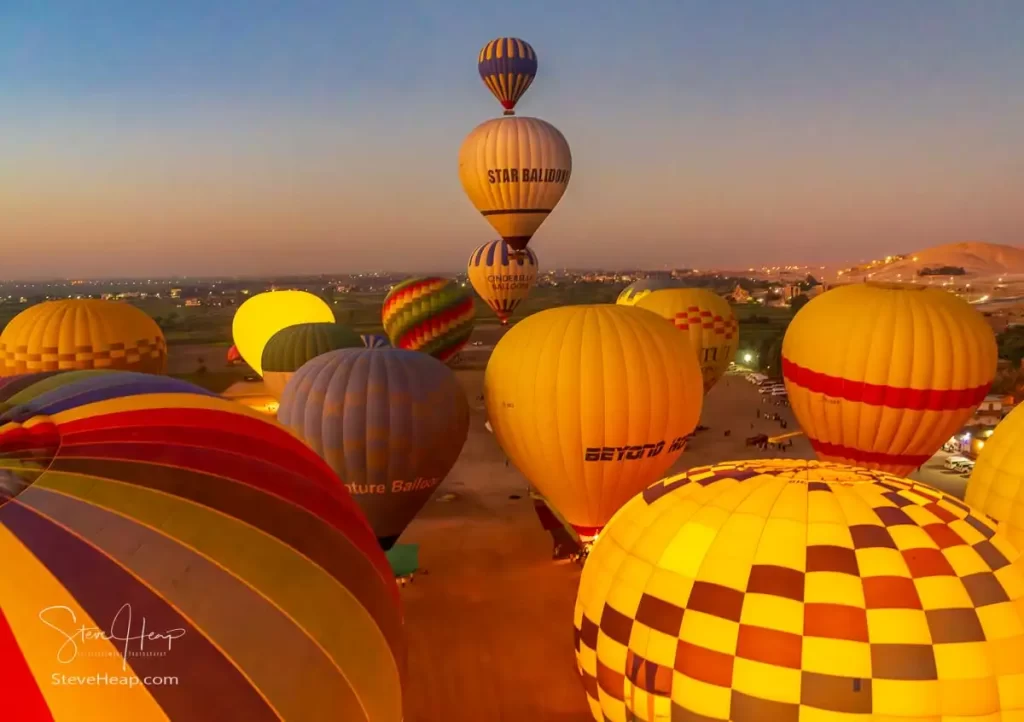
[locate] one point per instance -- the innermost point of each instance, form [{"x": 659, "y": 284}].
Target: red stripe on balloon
[
  {"x": 880, "y": 395},
  {"x": 203, "y": 427},
  {"x": 23, "y": 701},
  {"x": 861, "y": 456}
]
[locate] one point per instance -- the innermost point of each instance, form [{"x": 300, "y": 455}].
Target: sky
[{"x": 193, "y": 137}]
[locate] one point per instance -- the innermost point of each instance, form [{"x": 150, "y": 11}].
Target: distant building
[
  {"x": 193, "y": 302},
  {"x": 175, "y": 293},
  {"x": 989, "y": 412}
]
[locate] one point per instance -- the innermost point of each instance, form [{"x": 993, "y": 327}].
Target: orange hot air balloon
[{"x": 881, "y": 375}]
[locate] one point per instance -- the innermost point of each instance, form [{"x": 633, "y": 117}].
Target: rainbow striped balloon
[
  {"x": 432, "y": 315},
  {"x": 130, "y": 499}
]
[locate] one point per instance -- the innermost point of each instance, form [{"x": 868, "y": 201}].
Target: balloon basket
[{"x": 405, "y": 562}]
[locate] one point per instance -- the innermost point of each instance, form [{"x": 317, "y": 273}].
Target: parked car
[{"x": 956, "y": 463}]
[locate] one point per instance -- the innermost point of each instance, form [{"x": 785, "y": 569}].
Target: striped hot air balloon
[
  {"x": 507, "y": 67},
  {"x": 375, "y": 340},
  {"x": 432, "y": 315},
  {"x": 293, "y": 346},
  {"x": 502, "y": 278},
  {"x": 264, "y": 593},
  {"x": 390, "y": 422},
  {"x": 881, "y": 375},
  {"x": 82, "y": 334}
]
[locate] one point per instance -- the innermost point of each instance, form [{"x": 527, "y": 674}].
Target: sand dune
[{"x": 977, "y": 259}]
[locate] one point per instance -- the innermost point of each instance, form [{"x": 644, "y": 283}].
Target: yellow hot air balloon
[
  {"x": 881, "y": 375},
  {"x": 778, "y": 590},
  {"x": 708, "y": 322},
  {"x": 996, "y": 486},
  {"x": 592, "y": 404},
  {"x": 515, "y": 170},
  {"x": 82, "y": 334},
  {"x": 259, "y": 318},
  {"x": 501, "y": 277}
]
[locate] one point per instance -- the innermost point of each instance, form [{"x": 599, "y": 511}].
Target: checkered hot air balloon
[
  {"x": 125, "y": 493},
  {"x": 881, "y": 375},
  {"x": 507, "y": 67},
  {"x": 782, "y": 591},
  {"x": 82, "y": 334},
  {"x": 432, "y": 315},
  {"x": 708, "y": 322}
]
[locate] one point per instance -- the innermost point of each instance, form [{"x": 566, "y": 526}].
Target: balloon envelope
[
  {"x": 264, "y": 314},
  {"x": 854, "y": 588},
  {"x": 82, "y": 334},
  {"x": 375, "y": 340},
  {"x": 507, "y": 67},
  {"x": 432, "y": 315},
  {"x": 881, "y": 375},
  {"x": 708, "y": 322},
  {"x": 390, "y": 422},
  {"x": 293, "y": 346},
  {"x": 157, "y": 499},
  {"x": 996, "y": 486},
  {"x": 515, "y": 171},
  {"x": 592, "y": 404},
  {"x": 502, "y": 277},
  {"x": 645, "y": 286}
]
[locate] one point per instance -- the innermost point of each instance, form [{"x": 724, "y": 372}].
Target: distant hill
[{"x": 976, "y": 258}]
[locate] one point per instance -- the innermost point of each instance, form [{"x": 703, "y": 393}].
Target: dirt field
[{"x": 490, "y": 623}]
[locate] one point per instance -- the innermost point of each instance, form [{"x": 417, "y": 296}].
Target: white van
[{"x": 954, "y": 463}]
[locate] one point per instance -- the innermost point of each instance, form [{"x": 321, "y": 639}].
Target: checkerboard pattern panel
[{"x": 795, "y": 591}]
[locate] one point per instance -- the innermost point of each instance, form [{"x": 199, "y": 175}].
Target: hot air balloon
[
  {"x": 592, "y": 404},
  {"x": 375, "y": 340},
  {"x": 502, "y": 278},
  {"x": 515, "y": 170},
  {"x": 82, "y": 334},
  {"x": 996, "y": 486},
  {"x": 791, "y": 590},
  {"x": 507, "y": 66},
  {"x": 293, "y": 346},
  {"x": 645, "y": 286},
  {"x": 233, "y": 357},
  {"x": 390, "y": 422},
  {"x": 432, "y": 315},
  {"x": 881, "y": 375},
  {"x": 264, "y": 593},
  {"x": 708, "y": 322},
  {"x": 264, "y": 314}
]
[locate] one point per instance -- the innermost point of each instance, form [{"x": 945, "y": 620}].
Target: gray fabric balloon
[{"x": 390, "y": 422}]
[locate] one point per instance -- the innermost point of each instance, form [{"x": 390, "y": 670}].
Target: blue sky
[{"x": 292, "y": 136}]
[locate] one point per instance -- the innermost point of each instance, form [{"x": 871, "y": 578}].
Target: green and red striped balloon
[
  {"x": 129, "y": 499},
  {"x": 432, "y": 315}
]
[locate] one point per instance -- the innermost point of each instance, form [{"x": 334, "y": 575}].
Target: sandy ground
[{"x": 490, "y": 616}]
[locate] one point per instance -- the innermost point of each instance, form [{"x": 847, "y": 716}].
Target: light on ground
[{"x": 747, "y": 358}]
